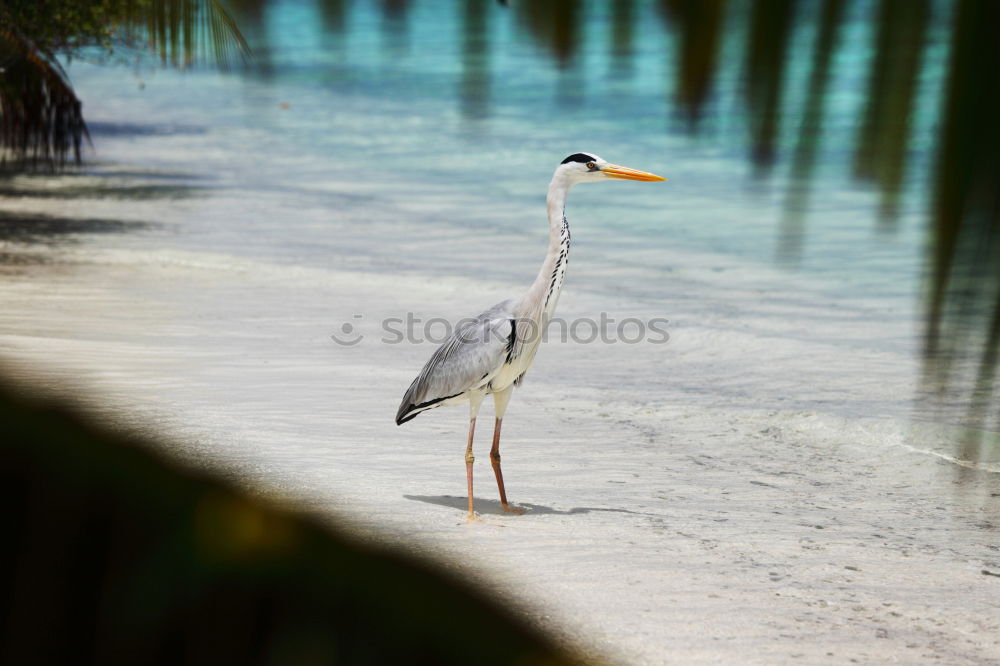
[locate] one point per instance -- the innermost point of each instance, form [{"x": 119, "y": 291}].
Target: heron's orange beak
[{"x": 625, "y": 173}]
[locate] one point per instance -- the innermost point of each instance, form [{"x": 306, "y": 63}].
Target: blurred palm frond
[
  {"x": 699, "y": 26},
  {"x": 963, "y": 312},
  {"x": 41, "y": 123},
  {"x": 555, "y": 24},
  {"x": 40, "y": 116}
]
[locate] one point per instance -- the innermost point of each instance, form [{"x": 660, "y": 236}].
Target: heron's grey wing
[{"x": 467, "y": 360}]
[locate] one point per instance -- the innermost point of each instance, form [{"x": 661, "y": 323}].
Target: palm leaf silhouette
[{"x": 41, "y": 124}]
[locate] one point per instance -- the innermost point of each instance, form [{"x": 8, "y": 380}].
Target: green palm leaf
[{"x": 41, "y": 124}]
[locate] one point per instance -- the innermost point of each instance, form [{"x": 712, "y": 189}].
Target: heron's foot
[
  {"x": 471, "y": 517},
  {"x": 513, "y": 510}
]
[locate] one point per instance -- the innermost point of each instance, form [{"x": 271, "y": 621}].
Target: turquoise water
[{"x": 416, "y": 102}]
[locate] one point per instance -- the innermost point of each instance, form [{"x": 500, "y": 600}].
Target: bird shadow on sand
[{"x": 485, "y": 506}]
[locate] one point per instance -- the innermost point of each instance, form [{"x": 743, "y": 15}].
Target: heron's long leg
[
  {"x": 475, "y": 400},
  {"x": 469, "y": 459},
  {"x": 495, "y": 461},
  {"x": 500, "y": 400}
]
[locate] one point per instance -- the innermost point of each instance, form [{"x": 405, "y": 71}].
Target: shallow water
[{"x": 356, "y": 149}]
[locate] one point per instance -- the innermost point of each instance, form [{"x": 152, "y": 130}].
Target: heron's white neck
[{"x": 541, "y": 298}]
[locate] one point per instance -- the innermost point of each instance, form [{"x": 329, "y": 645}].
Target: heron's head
[{"x": 586, "y": 167}]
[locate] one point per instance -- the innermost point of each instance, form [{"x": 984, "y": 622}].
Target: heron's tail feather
[
  {"x": 407, "y": 407},
  {"x": 406, "y": 413},
  {"x": 408, "y": 410}
]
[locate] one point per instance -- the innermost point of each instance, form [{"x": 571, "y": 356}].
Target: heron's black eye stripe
[{"x": 579, "y": 157}]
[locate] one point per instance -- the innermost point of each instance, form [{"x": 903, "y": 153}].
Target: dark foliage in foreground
[{"x": 115, "y": 556}]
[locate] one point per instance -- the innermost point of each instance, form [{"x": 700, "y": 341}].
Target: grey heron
[{"x": 491, "y": 353}]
